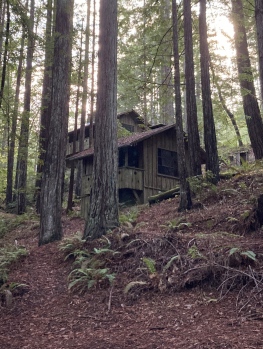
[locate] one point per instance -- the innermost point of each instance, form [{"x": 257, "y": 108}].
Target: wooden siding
[
  {"x": 155, "y": 183},
  {"x": 128, "y": 120},
  {"x": 131, "y": 178},
  {"x": 144, "y": 181},
  {"x": 70, "y": 146}
]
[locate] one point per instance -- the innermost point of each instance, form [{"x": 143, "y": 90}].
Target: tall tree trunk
[
  {"x": 54, "y": 166},
  {"x": 22, "y": 156},
  {"x": 246, "y": 80},
  {"x": 72, "y": 168},
  {"x": 103, "y": 213},
  {"x": 212, "y": 163},
  {"x": 259, "y": 26},
  {"x": 91, "y": 128},
  {"x": 11, "y": 146},
  {"x": 45, "y": 102},
  {"x": 2, "y": 21},
  {"x": 7, "y": 30},
  {"x": 84, "y": 101},
  {"x": 185, "y": 195},
  {"x": 166, "y": 88},
  {"x": 191, "y": 108}
]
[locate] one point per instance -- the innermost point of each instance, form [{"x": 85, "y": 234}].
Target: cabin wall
[
  {"x": 126, "y": 119},
  {"x": 144, "y": 181},
  {"x": 70, "y": 146},
  {"x": 155, "y": 183}
]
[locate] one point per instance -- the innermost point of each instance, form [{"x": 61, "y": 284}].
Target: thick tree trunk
[
  {"x": 185, "y": 196},
  {"x": 246, "y": 80},
  {"x": 103, "y": 213},
  {"x": 45, "y": 102},
  {"x": 259, "y": 26},
  {"x": 91, "y": 128},
  {"x": 54, "y": 166},
  {"x": 212, "y": 163},
  {"x": 191, "y": 108}
]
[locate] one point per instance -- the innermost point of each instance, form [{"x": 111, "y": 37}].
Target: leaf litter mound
[{"x": 162, "y": 280}]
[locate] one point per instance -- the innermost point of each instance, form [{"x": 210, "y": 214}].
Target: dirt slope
[{"x": 199, "y": 315}]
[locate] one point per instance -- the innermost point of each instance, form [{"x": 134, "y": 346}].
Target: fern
[{"x": 150, "y": 264}]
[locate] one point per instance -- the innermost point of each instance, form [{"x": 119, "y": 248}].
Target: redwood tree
[
  {"x": 103, "y": 213},
  {"x": 22, "y": 156},
  {"x": 46, "y": 101},
  {"x": 54, "y": 165},
  {"x": 185, "y": 196},
  {"x": 259, "y": 26},
  {"x": 191, "y": 108},
  {"x": 246, "y": 80},
  {"x": 212, "y": 163}
]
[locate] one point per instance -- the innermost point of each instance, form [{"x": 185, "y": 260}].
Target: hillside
[{"x": 188, "y": 280}]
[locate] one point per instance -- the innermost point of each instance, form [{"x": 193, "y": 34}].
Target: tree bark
[
  {"x": 212, "y": 163},
  {"x": 54, "y": 166},
  {"x": 22, "y": 156},
  {"x": 45, "y": 102},
  {"x": 7, "y": 30},
  {"x": 11, "y": 147},
  {"x": 246, "y": 80},
  {"x": 91, "y": 128},
  {"x": 259, "y": 27},
  {"x": 191, "y": 108},
  {"x": 103, "y": 213},
  {"x": 185, "y": 195}
]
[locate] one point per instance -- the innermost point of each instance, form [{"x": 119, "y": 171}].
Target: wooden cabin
[
  {"x": 130, "y": 120},
  {"x": 147, "y": 166}
]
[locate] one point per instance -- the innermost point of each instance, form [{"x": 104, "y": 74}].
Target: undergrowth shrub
[
  {"x": 8, "y": 223},
  {"x": 8, "y": 256},
  {"x": 89, "y": 266}
]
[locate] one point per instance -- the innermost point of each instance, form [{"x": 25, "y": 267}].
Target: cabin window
[
  {"x": 129, "y": 128},
  {"x": 129, "y": 156},
  {"x": 122, "y": 153},
  {"x": 133, "y": 157},
  {"x": 167, "y": 162}
]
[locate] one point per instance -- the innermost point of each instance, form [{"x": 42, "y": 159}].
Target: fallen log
[{"x": 164, "y": 196}]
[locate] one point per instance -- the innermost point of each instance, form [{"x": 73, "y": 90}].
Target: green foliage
[
  {"x": 9, "y": 223},
  {"x": 72, "y": 246},
  {"x": 133, "y": 284},
  {"x": 177, "y": 224},
  {"x": 194, "y": 253},
  {"x": 200, "y": 184},
  {"x": 129, "y": 216},
  {"x": 246, "y": 254},
  {"x": 89, "y": 266},
  {"x": 82, "y": 279},
  {"x": 8, "y": 256},
  {"x": 150, "y": 264},
  {"x": 122, "y": 132},
  {"x": 170, "y": 262}
]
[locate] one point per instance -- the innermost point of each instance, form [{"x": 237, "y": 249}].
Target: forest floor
[{"x": 190, "y": 280}]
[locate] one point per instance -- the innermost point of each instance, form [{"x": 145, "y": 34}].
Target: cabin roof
[
  {"x": 132, "y": 113},
  {"x": 125, "y": 141}
]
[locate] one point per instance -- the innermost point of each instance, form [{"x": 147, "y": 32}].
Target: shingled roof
[{"x": 125, "y": 141}]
